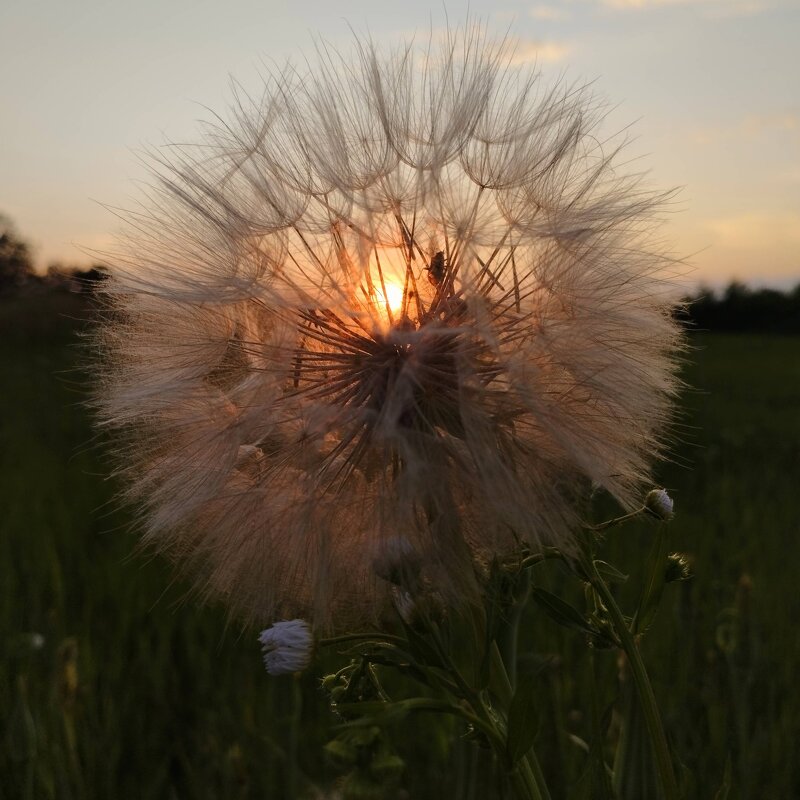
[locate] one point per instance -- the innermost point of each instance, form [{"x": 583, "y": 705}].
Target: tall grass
[{"x": 113, "y": 684}]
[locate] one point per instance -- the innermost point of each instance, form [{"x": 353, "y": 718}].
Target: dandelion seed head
[{"x": 403, "y": 298}]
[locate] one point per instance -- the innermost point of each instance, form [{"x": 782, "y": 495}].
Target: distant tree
[
  {"x": 740, "y": 308},
  {"x": 74, "y": 278},
  {"x": 90, "y": 279},
  {"x": 15, "y": 260}
]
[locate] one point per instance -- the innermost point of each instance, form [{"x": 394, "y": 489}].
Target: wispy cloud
[
  {"x": 531, "y": 50},
  {"x": 756, "y": 124},
  {"x": 753, "y": 126},
  {"x": 788, "y": 176},
  {"x": 752, "y": 246},
  {"x": 743, "y": 8},
  {"x": 715, "y": 9},
  {"x": 550, "y": 13},
  {"x": 757, "y": 231}
]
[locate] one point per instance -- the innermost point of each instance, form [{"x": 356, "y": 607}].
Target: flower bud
[
  {"x": 678, "y": 568},
  {"x": 659, "y": 503},
  {"x": 287, "y": 646}
]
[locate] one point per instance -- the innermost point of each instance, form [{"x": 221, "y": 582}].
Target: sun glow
[{"x": 393, "y": 297}]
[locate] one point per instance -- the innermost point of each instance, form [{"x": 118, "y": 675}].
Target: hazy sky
[{"x": 711, "y": 86}]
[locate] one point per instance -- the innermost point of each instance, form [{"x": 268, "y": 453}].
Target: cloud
[
  {"x": 743, "y": 8},
  {"x": 757, "y": 241},
  {"x": 790, "y": 176},
  {"x": 766, "y": 123},
  {"x": 715, "y": 9},
  {"x": 630, "y": 5},
  {"x": 534, "y": 51},
  {"x": 757, "y": 228},
  {"x": 549, "y": 13},
  {"x": 751, "y": 127}
]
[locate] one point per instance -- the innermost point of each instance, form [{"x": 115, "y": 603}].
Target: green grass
[{"x": 136, "y": 692}]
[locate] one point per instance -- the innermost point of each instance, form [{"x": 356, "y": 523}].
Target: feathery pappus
[{"x": 407, "y": 297}]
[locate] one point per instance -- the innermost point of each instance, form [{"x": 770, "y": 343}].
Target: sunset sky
[{"x": 710, "y": 87}]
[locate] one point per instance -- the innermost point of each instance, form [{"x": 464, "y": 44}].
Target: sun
[{"x": 393, "y": 297}]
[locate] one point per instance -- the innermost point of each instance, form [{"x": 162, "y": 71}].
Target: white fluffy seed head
[
  {"x": 405, "y": 297},
  {"x": 288, "y": 647}
]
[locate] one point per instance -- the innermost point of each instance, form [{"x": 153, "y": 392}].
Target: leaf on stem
[
  {"x": 561, "y": 612},
  {"x": 654, "y": 584},
  {"x": 522, "y": 727}
]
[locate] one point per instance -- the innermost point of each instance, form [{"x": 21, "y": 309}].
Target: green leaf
[
  {"x": 380, "y": 713},
  {"x": 372, "y": 712},
  {"x": 466, "y": 637},
  {"x": 560, "y": 612},
  {"x": 635, "y": 772},
  {"x": 522, "y": 717},
  {"x": 422, "y": 650},
  {"x": 654, "y": 583},
  {"x": 342, "y": 754}
]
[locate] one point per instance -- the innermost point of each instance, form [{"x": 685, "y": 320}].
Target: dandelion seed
[
  {"x": 408, "y": 297},
  {"x": 287, "y": 647}
]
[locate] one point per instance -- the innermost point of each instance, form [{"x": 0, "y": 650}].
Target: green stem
[
  {"x": 523, "y": 782},
  {"x": 508, "y": 635},
  {"x": 360, "y": 637},
  {"x": 528, "y": 766},
  {"x": 644, "y": 689},
  {"x": 294, "y": 736},
  {"x": 612, "y": 523},
  {"x": 537, "y": 558}
]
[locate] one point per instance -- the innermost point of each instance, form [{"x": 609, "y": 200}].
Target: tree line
[
  {"x": 737, "y": 308},
  {"x": 740, "y": 308},
  {"x": 18, "y": 275}
]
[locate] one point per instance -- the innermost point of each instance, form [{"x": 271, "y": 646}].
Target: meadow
[{"x": 114, "y": 683}]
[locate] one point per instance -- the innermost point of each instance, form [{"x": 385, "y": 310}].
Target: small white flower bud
[
  {"x": 658, "y": 502},
  {"x": 287, "y": 646}
]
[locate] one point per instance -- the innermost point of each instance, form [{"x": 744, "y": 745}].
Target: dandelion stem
[
  {"x": 537, "y": 558},
  {"x": 523, "y": 782},
  {"x": 641, "y": 680},
  {"x": 358, "y": 637},
  {"x": 527, "y": 773},
  {"x": 294, "y": 736},
  {"x": 612, "y": 523},
  {"x": 509, "y": 634}
]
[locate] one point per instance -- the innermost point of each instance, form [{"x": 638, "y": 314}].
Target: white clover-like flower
[
  {"x": 409, "y": 296},
  {"x": 288, "y": 646},
  {"x": 659, "y": 503}
]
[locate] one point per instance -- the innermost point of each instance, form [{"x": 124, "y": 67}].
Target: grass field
[{"x": 112, "y": 685}]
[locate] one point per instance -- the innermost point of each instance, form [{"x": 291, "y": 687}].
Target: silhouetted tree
[
  {"x": 740, "y": 308},
  {"x": 90, "y": 279},
  {"x": 75, "y": 279},
  {"x": 15, "y": 260}
]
